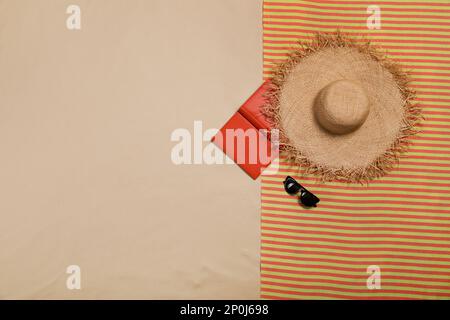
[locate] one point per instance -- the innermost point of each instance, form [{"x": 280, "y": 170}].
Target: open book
[{"x": 245, "y": 137}]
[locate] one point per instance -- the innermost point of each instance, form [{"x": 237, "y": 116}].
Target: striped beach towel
[{"x": 388, "y": 240}]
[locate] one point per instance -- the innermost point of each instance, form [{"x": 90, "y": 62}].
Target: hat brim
[{"x": 358, "y": 156}]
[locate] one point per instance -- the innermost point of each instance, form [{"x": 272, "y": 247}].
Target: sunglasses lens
[
  {"x": 308, "y": 199},
  {"x": 291, "y": 186}
]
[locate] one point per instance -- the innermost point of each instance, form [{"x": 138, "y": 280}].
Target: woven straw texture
[
  {"x": 400, "y": 222},
  {"x": 331, "y": 69}
]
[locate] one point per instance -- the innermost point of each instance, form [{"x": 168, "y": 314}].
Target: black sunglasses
[{"x": 306, "y": 198}]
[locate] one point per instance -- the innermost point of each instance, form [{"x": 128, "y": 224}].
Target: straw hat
[{"x": 343, "y": 109}]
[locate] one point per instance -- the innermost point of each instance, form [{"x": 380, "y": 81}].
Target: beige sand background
[{"x": 85, "y": 170}]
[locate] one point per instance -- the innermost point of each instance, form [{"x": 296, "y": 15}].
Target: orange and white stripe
[{"x": 401, "y": 222}]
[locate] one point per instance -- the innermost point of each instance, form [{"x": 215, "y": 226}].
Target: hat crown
[{"x": 341, "y": 107}]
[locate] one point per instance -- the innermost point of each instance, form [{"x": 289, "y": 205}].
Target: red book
[{"x": 244, "y": 137}]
